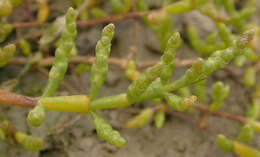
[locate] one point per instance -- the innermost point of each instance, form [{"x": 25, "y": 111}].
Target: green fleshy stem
[
  {"x": 36, "y": 116},
  {"x": 62, "y": 54},
  {"x": 168, "y": 57},
  {"x": 141, "y": 119},
  {"x": 249, "y": 76},
  {"x": 218, "y": 94},
  {"x": 246, "y": 133},
  {"x": 163, "y": 69},
  {"x": 203, "y": 48},
  {"x": 255, "y": 125},
  {"x": 200, "y": 91},
  {"x": 183, "y": 6},
  {"x": 6, "y": 8},
  {"x": 159, "y": 119},
  {"x": 236, "y": 147},
  {"x": 5, "y": 30},
  {"x": 6, "y": 53},
  {"x": 106, "y": 132},
  {"x": 25, "y": 47},
  {"x": 100, "y": 66},
  {"x": 196, "y": 73},
  {"x": 179, "y": 103},
  {"x": 59, "y": 68},
  {"x": 30, "y": 143},
  {"x": 2, "y": 135},
  {"x": 225, "y": 144}
]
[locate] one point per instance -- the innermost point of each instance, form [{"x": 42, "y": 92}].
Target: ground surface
[{"x": 176, "y": 138}]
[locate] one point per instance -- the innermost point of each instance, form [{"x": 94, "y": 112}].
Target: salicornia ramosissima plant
[
  {"x": 199, "y": 71},
  {"x": 144, "y": 87}
]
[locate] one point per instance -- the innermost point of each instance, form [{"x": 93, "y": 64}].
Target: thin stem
[
  {"x": 119, "y": 62},
  {"x": 89, "y": 22},
  {"x": 29, "y": 24},
  {"x": 69, "y": 124},
  {"x": 113, "y": 18},
  {"x": 230, "y": 116}
]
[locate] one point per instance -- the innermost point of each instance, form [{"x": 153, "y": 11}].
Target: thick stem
[
  {"x": 74, "y": 103},
  {"x": 110, "y": 102}
]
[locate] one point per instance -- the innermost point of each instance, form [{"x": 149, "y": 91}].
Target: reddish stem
[
  {"x": 89, "y": 22},
  {"x": 120, "y": 62},
  {"x": 16, "y": 99},
  {"x": 230, "y": 116}
]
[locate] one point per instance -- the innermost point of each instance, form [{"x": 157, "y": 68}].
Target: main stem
[{"x": 156, "y": 90}]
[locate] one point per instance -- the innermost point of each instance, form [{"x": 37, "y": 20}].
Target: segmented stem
[
  {"x": 100, "y": 66},
  {"x": 106, "y": 132}
]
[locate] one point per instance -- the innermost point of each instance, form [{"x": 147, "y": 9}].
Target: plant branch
[
  {"x": 89, "y": 22},
  {"x": 24, "y": 101},
  {"x": 120, "y": 62},
  {"x": 230, "y": 116},
  {"x": 16, "y": 99}
]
